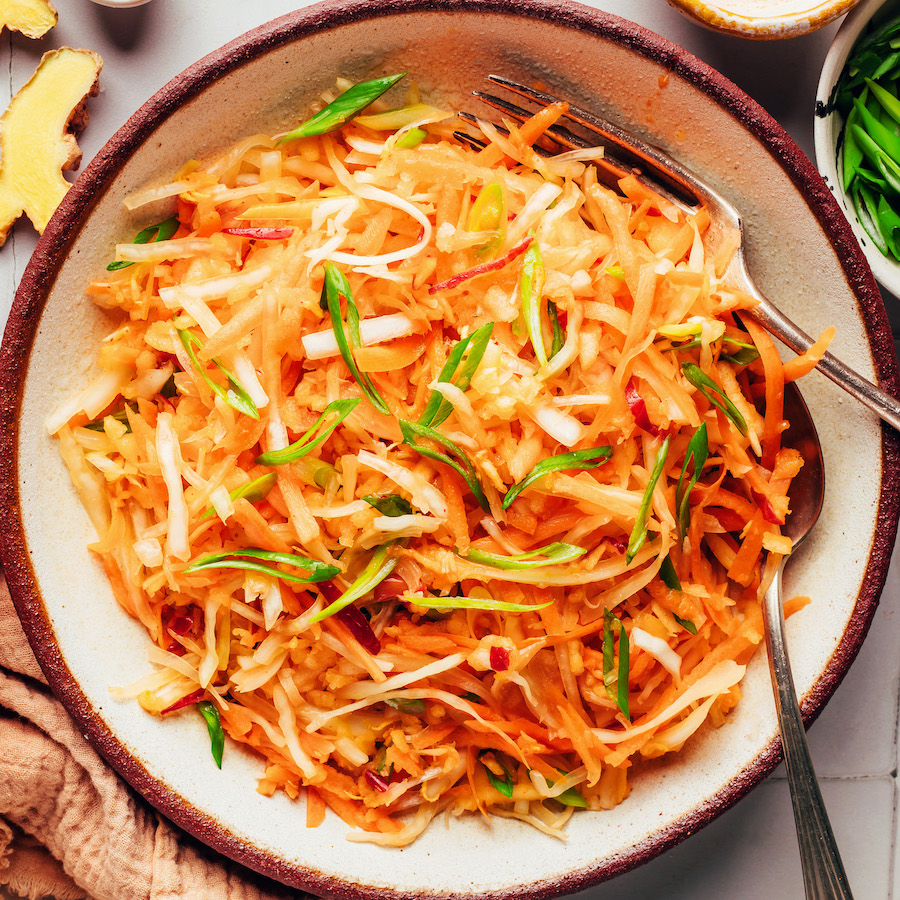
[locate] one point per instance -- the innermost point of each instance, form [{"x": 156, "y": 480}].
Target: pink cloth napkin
[{"x": 70, "y": 828}]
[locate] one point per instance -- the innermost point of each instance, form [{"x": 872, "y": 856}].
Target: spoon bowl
[{"x": 823, "y": 872}]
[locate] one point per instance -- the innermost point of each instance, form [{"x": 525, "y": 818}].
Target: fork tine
[
  {"x": 563, "y": 136},
  {"x": 613, "y": 168},
  {"x": 479, "y": 144},
  {"x": 645, "y": 156},
  {"x": 467, "y": 138}
]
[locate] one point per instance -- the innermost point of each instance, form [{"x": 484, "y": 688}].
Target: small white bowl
[
  {"x": 764, "y": 20},
  {"x": 121, "y": 3},
  {"x": 828, "y": 127}
]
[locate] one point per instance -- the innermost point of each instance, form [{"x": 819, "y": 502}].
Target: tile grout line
[{"x": 12, "y": 235}]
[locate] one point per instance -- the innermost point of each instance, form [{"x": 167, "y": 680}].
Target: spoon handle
[{"x": 823, "y": 871}]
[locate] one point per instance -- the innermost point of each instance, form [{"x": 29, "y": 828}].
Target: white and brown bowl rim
[{"x": 51, "y": 251}]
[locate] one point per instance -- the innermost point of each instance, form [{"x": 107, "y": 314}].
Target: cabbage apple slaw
[{"x": 437, "y": 475}]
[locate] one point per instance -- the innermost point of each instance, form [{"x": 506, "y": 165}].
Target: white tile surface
[
  {"x": 750, "y": 852},
  {"x": 856, "y": 733}
]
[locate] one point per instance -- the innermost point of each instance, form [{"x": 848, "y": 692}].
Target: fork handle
[
  {"x": 881, "y": 403},
  {"x": 823, "y": 871}
]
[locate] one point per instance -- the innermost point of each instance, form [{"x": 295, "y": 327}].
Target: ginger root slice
[
  {"x": 36, "y": 139},
  {"x": 34, "y": 18}
]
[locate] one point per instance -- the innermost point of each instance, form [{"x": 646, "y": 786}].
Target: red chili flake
[
  {"x": 621, "y": 546},
  {"x": 181, "y": 624},
  {"x": 499, "y": 659},
  {"x": 358, "y": 625},
  {"x": 482, "y": 269},
  {"x": 175, "y": 648},
  {"x": 329, "y": 591},
  {"x": 727, "y": 518},
  {"x": 639, "y": 409},
  {"x": 260, "y": 234},
  {"x": 390, "y": 589},
  {"x": 190, "y": 700},
  {"x": 766, "y": 508},
  {"x": 377, "y": 781}
]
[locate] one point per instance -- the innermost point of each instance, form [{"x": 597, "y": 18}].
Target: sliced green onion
[
  {"x": 553, "y": 554},
  {"x": 254, "y": 491},
  {"x": 121, "y": 416},
  {"x": 378, "y": 568},
  {"x": 429, "y": 602},
  {"x": 697, "y": 377},
  {"x": 610, "y": 622},
  {"x": 668, "y": 575},
  {"x": 866, "y": 206},
  {"x": 317, "y": 473},
  {"x": 746, "y": 353},
  {"x": 889, "y": 103},
  {"x": 569, "y": 797},
  {"x": 462, "y": 464},
  {"x": 391, "y": 505},
  {"x": 162, "y": 231},
  {"x": 697, "y": 451},
  {"x": 210, "y": 713},
  {"x": 889, "y": 225},
  {"x": 489, "y": 214},
  {"x": 686, "y": 624},
  {"x": 743, "y": 357},
  {"x": 503, "y": 785},
  {"x": 884, "y": 138},
  {"x": 401, "y": 117},
  {"x": 879, "y": 157},
  {"x": 472, "y": 348},
  {"x": 639, "y": 532},
  {"x": 335, "y": 287},
  {"x": 556, "y": 328},
  {"x": 575, "y": 459},
  {"x": 411, "y": 139},
  {"x": 235, "y": 396},
  {"x": 410, "y": 707},
  {"x": 334, "y": 414},
  {"x": 680, "y": 331},
  {"x": 243, "y": 559},
  {"x": 852, "y": 155},
  {"x": 342, "y": 108},
  {"x": 616, "y": 272},
  {"x": 531, "y": 289}
]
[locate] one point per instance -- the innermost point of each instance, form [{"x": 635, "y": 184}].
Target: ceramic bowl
[
  {"x": 828, "y": 127},
  {"x": 801, "y": 251},
  {"x": 764, "y": 20}
]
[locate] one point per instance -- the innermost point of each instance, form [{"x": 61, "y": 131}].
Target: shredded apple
[{"x": 435, "y": 474}]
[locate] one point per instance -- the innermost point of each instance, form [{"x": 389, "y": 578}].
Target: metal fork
[{"x": 626, "y": 154}]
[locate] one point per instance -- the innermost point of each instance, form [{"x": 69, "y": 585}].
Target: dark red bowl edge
[{"x": 38, "y": 280}]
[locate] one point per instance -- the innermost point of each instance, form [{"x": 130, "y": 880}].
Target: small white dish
[
  {"x": 121, "y": 3},
  {"x": 763, "y": 20},
  {"x": 828, "y": 126}
]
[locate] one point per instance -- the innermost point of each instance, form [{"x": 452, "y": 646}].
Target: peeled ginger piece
[
  {"x": 36, "y": 139},
  {"x": 34, "y": 18}
]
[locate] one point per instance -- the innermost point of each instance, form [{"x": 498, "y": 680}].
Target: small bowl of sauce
[{"x": 764, "y": 20}]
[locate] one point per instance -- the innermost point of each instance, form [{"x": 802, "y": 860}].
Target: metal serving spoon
[{"x": 823, "y": 871}]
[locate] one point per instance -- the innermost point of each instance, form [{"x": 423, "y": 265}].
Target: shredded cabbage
[{"x": 524, "y": 690}]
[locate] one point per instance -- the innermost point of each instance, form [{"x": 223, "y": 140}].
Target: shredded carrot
[
  {"x": 774, "y": 380},
  {"x": 806, "y": 362},
  {"x": 315, "y": 808},
  {"x": 392, "y": 481}
]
